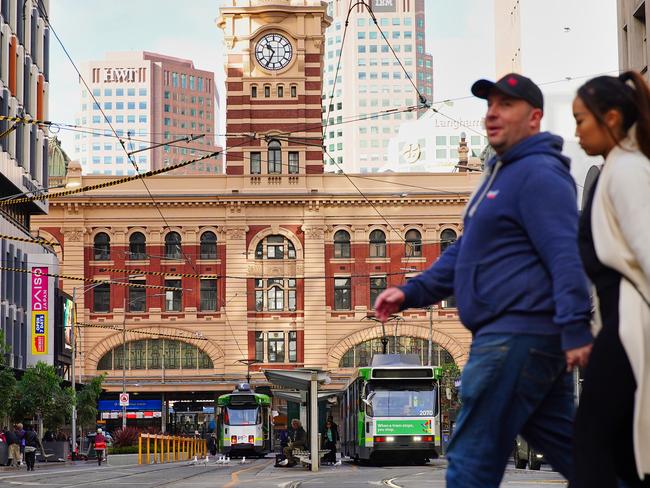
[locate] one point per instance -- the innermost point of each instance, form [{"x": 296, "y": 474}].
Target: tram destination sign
[{"x": 404, "y": 427}]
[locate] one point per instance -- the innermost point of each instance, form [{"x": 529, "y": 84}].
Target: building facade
[
  {"x": 24, "y": 89},
  {"x": 370, "y": 80},
  {"x": 148, "y": 98},
  {"x": 633, "y": 36},
  {"x": 275, "y": 264}
]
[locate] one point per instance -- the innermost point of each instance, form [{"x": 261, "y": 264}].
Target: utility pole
[
  {"x": 124, "y": 363},
  {"x": 430, "y": 333},
  {"x": 74, "y": 404}
]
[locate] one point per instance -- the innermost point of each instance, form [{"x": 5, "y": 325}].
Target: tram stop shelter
[{"x": 308, "y": 380}]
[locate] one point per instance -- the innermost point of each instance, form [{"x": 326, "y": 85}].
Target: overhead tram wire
[
  {"x": 338, "y": 65},
  {"x": 45, "y": 15},
  {"x": 422, "y": 99}
]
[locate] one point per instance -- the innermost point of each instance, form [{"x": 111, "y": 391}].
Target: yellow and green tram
[
  {"x": 244, "y": 423},
  {"x": 389, "y": 411}
]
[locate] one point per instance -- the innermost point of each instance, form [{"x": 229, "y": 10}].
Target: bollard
[
  {"x": 140, "y": 449},
  {"x": 168, "y": 457},
  {"x": 148, "y": 458}
]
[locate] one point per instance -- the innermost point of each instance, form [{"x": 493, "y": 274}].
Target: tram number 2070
[{"x": 423, "y": 413}]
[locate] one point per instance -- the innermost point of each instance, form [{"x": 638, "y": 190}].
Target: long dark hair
[{"x": 629, "y": 94}]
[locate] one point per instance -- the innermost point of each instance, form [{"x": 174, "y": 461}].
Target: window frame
[
  {"x": 413, "y": 246},
  {"x": 171, "y": 252},
  {"x": 212, "y": 299},
  {"x": 102, "y": 291},
  {"x": 377, "y": 246},
  {"x": 208, "y": 249},
  {"x": 102, "y": 249},
  {"x": 175, "y": 297},
  {"x": 134, "y": 252},
  {"x": 342, "y": 247},
  {"x": 342, "y": 293}
]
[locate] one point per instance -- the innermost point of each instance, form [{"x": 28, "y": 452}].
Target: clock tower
[{"x": 274, "y": 86}]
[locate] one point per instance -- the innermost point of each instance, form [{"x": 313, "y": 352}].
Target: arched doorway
[{"x": 361, "y": 354}]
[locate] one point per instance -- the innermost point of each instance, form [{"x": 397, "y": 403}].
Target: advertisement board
[
  {"x": 40, "y": 302},
  {"x": 404, "y": 427},
  {"x": 384, "y": 5},
  {"x": 68, "y": 321}
]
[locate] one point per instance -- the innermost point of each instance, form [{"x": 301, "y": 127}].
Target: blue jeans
[{"x": 511, "y": 384}]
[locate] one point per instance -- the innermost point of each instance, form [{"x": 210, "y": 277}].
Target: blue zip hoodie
[{"x": 516, "y": 268}]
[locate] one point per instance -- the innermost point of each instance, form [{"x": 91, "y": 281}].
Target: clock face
[{"x": 273, "y": 51}]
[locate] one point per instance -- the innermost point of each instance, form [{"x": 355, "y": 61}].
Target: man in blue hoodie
[{"x": 520, "y": 289}]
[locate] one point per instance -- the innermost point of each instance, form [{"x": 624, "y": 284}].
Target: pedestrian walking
[
  {"x": 100, "y": 446},
  {"x": 31, "y": 446},
  {"x": 13, "y": 447},
  {"x": 212, "y": 444},
  {"x": 612, "y": 432},
  {"x": 20, "y": 434},
  {"x": 520, "y": 289}
]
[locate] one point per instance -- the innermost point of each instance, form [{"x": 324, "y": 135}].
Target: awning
[
  {"x": 294, "y": 396},
  {"x": 296, "y": 379}
]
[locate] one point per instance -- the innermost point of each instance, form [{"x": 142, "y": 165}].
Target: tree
[
  {"x": 39, "y": 393},
  {"x": 61, "y": 412},
  {"x": 7, "y": 383},
  {"x": 87, "y": 402}
]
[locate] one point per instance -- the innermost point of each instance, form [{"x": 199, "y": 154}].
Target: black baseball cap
[{"x": 513, "y": 85}]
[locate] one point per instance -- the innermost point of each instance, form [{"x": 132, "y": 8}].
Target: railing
[{"x": 169, "y": 448}]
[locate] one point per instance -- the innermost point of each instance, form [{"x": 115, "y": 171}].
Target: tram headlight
[
  {"x": 390, "y": 439},
  {"x": 417, "y": 438}
]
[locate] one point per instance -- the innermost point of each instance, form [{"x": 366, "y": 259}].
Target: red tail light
[
  {"x": 427, "y": 438},
  {"x": 380, "y": 439},
  {"x": 233, "y": 439},
  {"x": 251, "y": 439}
]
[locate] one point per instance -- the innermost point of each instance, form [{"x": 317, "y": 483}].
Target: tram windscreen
[
  {"x": 405, "y": 401},
  {"x": 243, "y": 416}
]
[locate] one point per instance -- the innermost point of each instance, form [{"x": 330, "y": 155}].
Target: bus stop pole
[{"x": 313, "y": 421}]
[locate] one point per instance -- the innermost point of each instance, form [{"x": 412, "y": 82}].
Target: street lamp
[{"x": 72, "y": 366}]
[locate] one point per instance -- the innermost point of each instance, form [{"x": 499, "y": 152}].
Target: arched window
[
  {"x": 173, "y": 245},
  {"x": 102, "y": 247},
  {"x": 156, "y": 354},
  {"x": 447, "y": 238},
  {"x": 275, "y": 157},
  {"x": 377, "y": 244},
  {"x": 413, "y": 243},
  {"x": 277, "y": 247},
  {"x": 137, "y": 246},
  {"x": 341, "y": 244},
  {"x": 208, "y": 245},
  {"x": 275, "y": 294},
  {"x": 361, "y": 355}
]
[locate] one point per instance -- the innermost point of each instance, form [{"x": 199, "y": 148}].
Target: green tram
[
  {"x": 244, "y": 423},
  {"x": 390, "y": 411}
]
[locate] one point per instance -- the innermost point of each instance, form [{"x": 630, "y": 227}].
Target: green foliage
[
  {"x": 123, "y": 450},
  {"x": 61, "y": 413},
  {"x": 8, "y": 389},
  {"x": 39, "y": 392},
  {"x": 4, "y": 349},
  {"x": 87, "y": 402}
]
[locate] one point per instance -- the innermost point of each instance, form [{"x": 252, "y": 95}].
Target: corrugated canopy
[
  {"x": 294, "y": 396},
  {"x": 296, "y": 379}
]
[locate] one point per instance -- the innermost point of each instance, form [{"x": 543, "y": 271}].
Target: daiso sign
[{"x": 40, "y": 299}]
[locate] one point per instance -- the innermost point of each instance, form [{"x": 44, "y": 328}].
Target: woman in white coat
[{"x": 612, "y": 432}]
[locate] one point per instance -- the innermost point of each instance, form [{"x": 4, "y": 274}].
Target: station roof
[{"x": 296, "y": 379}]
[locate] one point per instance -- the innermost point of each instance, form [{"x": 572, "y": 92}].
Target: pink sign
[
  {"x": 39, "y": 310},
  {"x": 39, "y": 289}
]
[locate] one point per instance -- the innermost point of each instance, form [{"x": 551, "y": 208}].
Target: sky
[{"x": 460, "y": 36}]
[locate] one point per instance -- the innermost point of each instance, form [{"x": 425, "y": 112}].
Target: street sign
[{"x": 124, "y": 399}]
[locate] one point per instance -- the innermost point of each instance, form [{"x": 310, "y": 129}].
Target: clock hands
[{"x": 270, "y": 58}]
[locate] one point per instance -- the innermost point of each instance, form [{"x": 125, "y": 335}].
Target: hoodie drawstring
[{"x": 493, "y": 175}]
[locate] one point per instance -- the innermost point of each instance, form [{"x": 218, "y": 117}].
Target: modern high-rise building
[
  {"x": 633, "y": 35},
  {"x": 27, "y": 296},
  {"x": 148, "y": 99},
  {"x": 528, "y": 40},
  {"x": 371, "y": 80}
]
